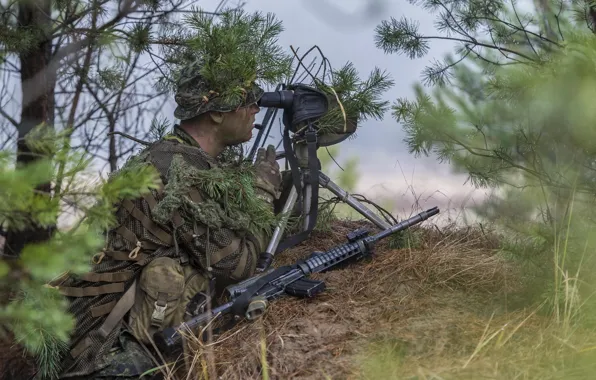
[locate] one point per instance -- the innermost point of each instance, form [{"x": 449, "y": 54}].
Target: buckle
[{"x": 159, "y": 314}]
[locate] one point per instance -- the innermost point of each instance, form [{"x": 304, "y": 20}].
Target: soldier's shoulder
[{"x": 162, "y": 152}]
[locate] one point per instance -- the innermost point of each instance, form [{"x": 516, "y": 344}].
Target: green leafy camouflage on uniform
[{"x": 204, "y": 221}]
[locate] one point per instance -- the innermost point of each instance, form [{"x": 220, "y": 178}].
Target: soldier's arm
[
  {"x": 228, "y": 253},
  {"x": 236, "y": 255},
  {"x": 225, "y": 252}
]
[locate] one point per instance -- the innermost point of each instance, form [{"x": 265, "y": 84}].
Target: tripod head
[{"x": 317, "y": 116}]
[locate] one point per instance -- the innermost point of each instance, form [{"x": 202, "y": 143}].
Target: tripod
[
  {"x": 303, "y": 106},
  {"x": 307, "y": 180}
]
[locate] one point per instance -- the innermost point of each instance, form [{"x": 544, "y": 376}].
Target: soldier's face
[{"x": 237, "y": 126}]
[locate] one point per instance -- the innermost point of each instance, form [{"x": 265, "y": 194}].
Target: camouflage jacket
[{"x": 100, "y": 299}]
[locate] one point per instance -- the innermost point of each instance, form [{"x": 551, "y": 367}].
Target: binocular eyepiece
[{"x": 277, "y": 99}]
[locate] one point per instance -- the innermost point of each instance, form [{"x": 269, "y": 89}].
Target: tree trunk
[{"x": 34, "y": 15}]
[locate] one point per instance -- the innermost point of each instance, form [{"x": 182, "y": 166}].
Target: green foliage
[
  {"x": 44, "y": 264},
  {"x": 13, "y": 37},
  {"x": 234, "y": 51},
  {"x": 39, "y": 324},
  {"x": 18, "y": 204},
  {"x": 382, "y": 358},
  {"x": 526, "y": 131},
  {"x": 345, "y": 174},
  {"x": 159, "y": 128},
  {"x": 36, "y": 314},
  {"x": 522, "y": 126},
  {"x": 410, "y": 238},
  {"x": 491, "y": 33},
  {"x": 359, "y": 99},
  {"x": 348, "y": 177},
  {"x": 101, "y": 49},
  {"x": 230, "y": 193}
]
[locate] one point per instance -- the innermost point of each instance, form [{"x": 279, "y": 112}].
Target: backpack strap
[
  {"x": 117, "y": 313},
  {"x": 149, "y": 224},
  {"x": 91, "y": 291},
  {"x": 165, "y": 238},
  {"x": 116, "y": 310},
  {"x": 111, "y": 295}
]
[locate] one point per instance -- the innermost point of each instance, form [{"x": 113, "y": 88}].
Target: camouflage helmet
[{"x": 195, "y": 96}]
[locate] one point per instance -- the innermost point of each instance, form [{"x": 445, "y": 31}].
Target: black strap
[
  {"x": 314, "y": 167},
  {"x": 293, "y": 161}
]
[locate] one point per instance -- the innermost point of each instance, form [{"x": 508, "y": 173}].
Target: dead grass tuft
[{"x": 455, "y": 342}]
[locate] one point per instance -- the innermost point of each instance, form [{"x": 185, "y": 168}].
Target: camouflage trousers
[{"x": 127, "y": 360}]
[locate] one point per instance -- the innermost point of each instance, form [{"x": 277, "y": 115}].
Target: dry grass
[
  {"x": 422, "y": 297},
  {"x": 455, "y": 342},
  {"x": 433, "y": 309}
]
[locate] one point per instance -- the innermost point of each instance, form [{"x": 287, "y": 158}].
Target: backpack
[{"x": 101, "y": 299}]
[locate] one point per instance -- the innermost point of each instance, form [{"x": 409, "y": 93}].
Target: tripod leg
[
  {"x": 353, "y": 202},
  {"x": 267, "y": 257}
]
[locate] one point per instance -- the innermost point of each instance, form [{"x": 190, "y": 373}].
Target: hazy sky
[{"x": 344, "y": 30}]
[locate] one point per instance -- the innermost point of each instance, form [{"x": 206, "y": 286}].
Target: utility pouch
[
  {"x": 165, "y": 288},
  {"x": 158, "y": 298}
]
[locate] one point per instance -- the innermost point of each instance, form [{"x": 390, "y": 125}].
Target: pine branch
[
  {"x": 402, "y": 35},
  {"x": 70, "y": 20}
]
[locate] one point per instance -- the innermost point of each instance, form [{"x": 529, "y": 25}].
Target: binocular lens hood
[{"x": 300, "y": 103}]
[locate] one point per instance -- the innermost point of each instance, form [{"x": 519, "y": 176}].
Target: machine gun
[{"x": 250, "y": 297}]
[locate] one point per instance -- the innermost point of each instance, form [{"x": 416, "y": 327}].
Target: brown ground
[
  {"x": 422, "y": 302},
  {"x": 431, "y": 303},
  {"x": 436, "y": 311}
]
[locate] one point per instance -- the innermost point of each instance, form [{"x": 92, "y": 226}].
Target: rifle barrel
[
  {"x": 405, "y": 224},
  {"x": 169, "y": 340}
]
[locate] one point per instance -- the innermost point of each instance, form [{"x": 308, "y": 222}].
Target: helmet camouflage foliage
[
  {"x": 225, "y": 58},
  {"x": 195, "y": 96}
]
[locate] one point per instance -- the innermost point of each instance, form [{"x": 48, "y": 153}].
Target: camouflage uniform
[{"x": 148, "y": 273}]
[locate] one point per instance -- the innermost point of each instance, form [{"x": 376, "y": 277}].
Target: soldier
[{"x": 153, "y": 274}]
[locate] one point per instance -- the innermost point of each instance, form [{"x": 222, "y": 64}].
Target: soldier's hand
[{"x": 268, "y": 175}]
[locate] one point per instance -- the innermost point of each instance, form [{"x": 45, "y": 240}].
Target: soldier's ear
[{"x": 217, "y": 117}]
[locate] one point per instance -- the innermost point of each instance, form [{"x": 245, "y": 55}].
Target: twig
[{"x": 146, "y": 143}]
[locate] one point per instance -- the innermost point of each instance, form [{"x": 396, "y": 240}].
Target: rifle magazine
[{"x": 305, "y": 288}]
